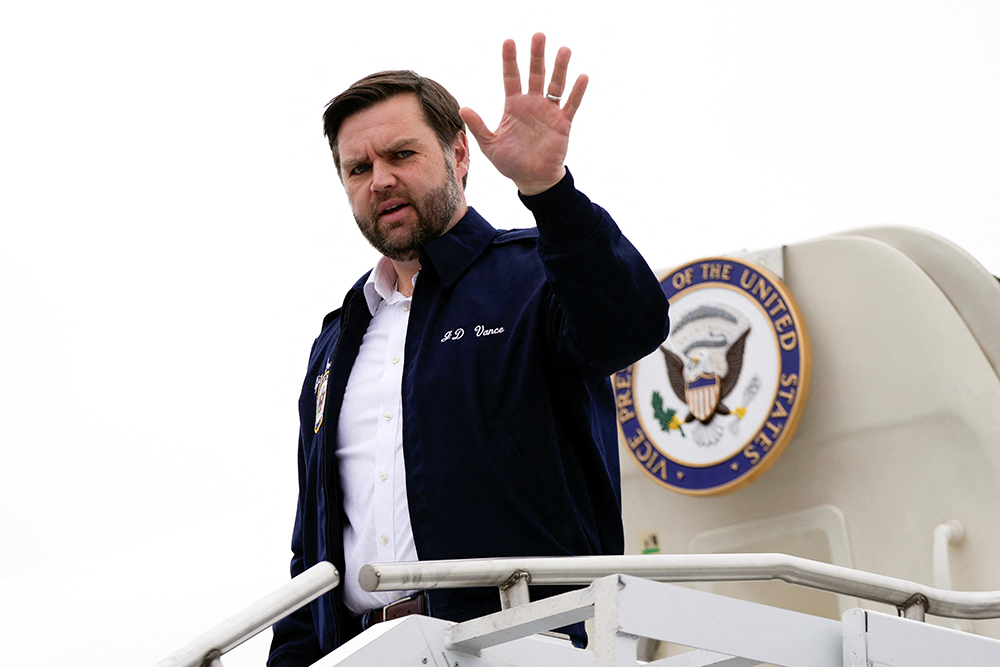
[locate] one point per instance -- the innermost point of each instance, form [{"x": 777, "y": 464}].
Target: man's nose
[{"x": 383, "y": 177}]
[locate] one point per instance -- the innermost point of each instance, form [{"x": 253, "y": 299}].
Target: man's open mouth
[{"x": 394, "y": 207}]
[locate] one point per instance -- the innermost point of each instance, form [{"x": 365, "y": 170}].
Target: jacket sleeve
[
  {"x": 295, "y": 643},
  {"x": 607, "y": 308}
]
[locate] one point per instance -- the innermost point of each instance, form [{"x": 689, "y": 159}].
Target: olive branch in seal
[{"x": 668, "y": 417}]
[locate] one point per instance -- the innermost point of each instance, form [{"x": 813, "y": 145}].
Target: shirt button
[
  {"x": 394, "y": 359},
  {"x": 385, "y": 539},
  {"x": 406, "y": 306},
  {"x": 387, "y": 416},
  {"x": 383, "y": 476}
]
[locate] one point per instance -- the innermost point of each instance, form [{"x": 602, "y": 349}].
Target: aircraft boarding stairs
[{"x": 628, "y": 599}]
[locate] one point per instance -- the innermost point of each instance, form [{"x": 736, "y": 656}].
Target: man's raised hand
[{"x": 530, "y": 143}]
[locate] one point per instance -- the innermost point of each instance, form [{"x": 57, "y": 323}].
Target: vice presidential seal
[
  {"x": 718, "y": 402},
  {"x": 322, "y": 384}
]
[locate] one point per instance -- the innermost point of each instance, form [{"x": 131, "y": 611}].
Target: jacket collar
[
  {"x": 451, "y": 254},
  {"x": 356, "y": 292}
]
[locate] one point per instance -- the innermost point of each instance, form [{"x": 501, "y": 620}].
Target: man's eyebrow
[
  {"x": 349, "y": 163},
  {"x": 398, "y": 145}
]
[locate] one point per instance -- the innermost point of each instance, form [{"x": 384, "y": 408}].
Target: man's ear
[{"x": 460, "y": 152}]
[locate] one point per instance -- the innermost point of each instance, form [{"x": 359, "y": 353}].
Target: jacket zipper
[{"x": 325, "y": 457}]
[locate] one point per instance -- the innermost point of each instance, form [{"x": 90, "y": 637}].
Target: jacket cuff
[{"x": 563, "y": 214}]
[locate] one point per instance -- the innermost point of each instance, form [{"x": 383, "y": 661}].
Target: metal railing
[
  {"x": 207, "y": 649},
  {"x": 511, "y": 575}
]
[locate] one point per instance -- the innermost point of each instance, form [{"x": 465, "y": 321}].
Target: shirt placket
[{"x": 388, "y": 433}]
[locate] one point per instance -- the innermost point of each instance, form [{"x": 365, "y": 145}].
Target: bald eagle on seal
[{"x": 705, "y": 393}]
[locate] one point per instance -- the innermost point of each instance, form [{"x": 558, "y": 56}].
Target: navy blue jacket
[{"x": 509, "y": 432}]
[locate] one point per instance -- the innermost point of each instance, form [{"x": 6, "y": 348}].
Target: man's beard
[{"x": 434, "y": 212}]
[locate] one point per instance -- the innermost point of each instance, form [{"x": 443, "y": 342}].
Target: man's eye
[
  {"x": 360, "y": 169},
  {"x": 404, "y": 154}
]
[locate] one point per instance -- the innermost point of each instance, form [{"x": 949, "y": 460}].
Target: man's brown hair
[{"x": 440, "y": 108}]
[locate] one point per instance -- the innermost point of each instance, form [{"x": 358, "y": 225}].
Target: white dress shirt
[{"x": 370, "y": 444}]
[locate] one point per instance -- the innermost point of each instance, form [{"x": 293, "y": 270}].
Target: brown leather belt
[{"x": 411, "y": 604}]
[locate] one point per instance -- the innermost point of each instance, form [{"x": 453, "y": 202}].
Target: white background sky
[{"x": 173, "y": 233}]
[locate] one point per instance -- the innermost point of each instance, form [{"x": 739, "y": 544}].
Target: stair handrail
[
  {"x": 912, "y": 599},
  {"x": 301, "y": 590}
]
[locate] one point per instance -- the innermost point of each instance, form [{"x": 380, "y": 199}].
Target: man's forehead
[{"x": 386, "y": 121}]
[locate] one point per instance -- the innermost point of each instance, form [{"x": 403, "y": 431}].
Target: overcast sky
[{"x": 173, "y": 233}]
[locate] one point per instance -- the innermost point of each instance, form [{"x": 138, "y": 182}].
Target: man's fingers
[
  {"x": 536, "y": 73},
  {"x": 575, "y": 97},
  {"x": 511, "y": 75},
  {"x": 536, "y": 80}
]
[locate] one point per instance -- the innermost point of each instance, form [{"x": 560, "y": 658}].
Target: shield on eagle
[{"x": 702, "y": 395}]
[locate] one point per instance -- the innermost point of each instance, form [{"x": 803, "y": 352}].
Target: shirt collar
[
  {"x": 452, "y": 253},
  {"x": 381, "y": 284}
]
